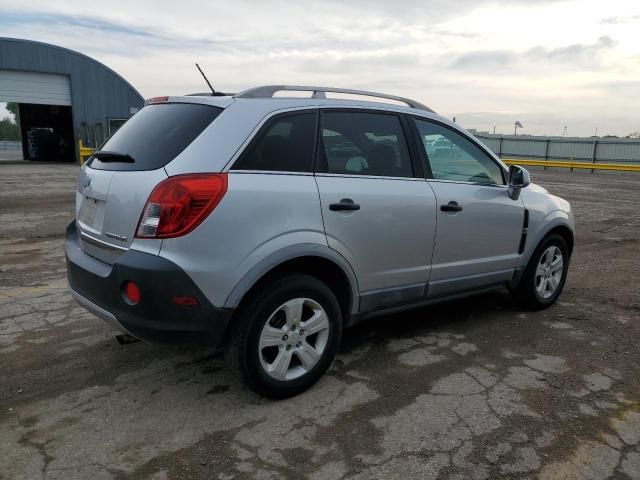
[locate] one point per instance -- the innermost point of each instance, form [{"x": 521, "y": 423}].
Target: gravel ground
[{"x": 471, "y": 390}]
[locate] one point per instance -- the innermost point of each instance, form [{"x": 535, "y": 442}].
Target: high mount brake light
[
  {"x": 157, "y": 100},
  {"x": 179, "y": 204}
]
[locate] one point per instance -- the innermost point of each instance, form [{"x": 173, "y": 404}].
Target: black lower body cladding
[{"x": 155, "y": 318}]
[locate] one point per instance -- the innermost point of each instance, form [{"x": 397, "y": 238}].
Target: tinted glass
[
  {"x": 157, "y": 134},
  {"x": 284, "y": 145},
  {"x": 454, "y": 157},
  {"x": 364, "y": 144}
]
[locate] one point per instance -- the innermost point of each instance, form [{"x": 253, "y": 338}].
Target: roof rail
[{"x": 267, "y": 91}]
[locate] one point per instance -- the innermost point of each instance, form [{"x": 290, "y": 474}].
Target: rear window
[{"x": 156, "y": 135}]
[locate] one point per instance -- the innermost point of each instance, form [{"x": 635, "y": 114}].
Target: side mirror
[{"x": 518, "y": 179}]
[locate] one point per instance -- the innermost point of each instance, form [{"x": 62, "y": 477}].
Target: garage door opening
[
  {"x": 44, "y": 113},
  {"x": 47, "y": 132}
]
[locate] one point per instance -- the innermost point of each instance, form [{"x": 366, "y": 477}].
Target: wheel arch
[
  {"x": 525, "y": 276},
  {"x": 316, "y": 260},
  {"x": 565, "y": 232},
  {"x": 557, "y": 221}
]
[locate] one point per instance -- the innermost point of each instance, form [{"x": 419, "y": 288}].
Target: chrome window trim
[
  {"x": 379, "y": 177},
  {"x": 271, "y": 172},
  {"x": 477, "y": 184},
  {"x": 311, "y": 174}
]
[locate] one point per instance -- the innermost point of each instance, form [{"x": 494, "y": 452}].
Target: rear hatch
[{"x": 117, "y": 181}]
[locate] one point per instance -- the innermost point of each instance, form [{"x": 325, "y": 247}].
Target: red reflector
[
  {"x": 157, "y": 99},
  {"x": 132, "y": 292},
  {"x": 191, "y": 301},
  {"x": 179, "y": 204}
]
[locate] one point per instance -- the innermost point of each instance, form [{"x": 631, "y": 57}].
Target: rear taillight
[{"x": 179, "y": 204}]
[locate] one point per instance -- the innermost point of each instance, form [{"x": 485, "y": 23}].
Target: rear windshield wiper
[{"x": 110, "y": 156}]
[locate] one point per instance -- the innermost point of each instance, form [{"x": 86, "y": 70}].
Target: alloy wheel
[
  {"x": 549, "y": 272},
  {"x": 293, "y": 339}
]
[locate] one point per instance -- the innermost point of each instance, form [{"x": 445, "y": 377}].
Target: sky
[{"x": 548, "y": 64}]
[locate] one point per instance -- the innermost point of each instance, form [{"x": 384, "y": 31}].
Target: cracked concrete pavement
[{"x": 470, "y": 390}]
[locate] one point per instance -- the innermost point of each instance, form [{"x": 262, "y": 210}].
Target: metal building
[{"x": 63, "y": 97}]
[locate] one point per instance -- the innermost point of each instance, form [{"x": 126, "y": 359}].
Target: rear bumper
[{"x": 97, "y": 286}]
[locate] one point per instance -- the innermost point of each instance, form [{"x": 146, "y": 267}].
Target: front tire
[
  {"x": 285, "y": 335},
  {"x": 545, "y": 275}
]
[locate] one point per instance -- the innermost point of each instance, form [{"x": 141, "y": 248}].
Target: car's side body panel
[
  {"x": 388, "y": 241},
  {"x": 285, "y": 254},
  {"x": 259, "y": 215},
  {"x": 546, "y": 212},
  {"x": 477, "y": 246}
]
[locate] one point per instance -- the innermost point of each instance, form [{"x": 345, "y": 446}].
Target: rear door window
[
  {"x": 156, "y": 135},
  {"x": 284, "y": 144},
  {"x": 364, "y": 143}
]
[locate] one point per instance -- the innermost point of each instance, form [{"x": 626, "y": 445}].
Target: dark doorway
[{"x": 47, "y": 132}]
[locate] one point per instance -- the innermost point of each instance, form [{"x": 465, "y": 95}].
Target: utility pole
[{"x": 494, "y": 129}]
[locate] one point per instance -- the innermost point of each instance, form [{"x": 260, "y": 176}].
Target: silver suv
[{"x": 267, "y": 224}]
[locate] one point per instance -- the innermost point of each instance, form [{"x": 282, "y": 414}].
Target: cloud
[
  {"x": 585, "y": 56},
  {"x": 137, "y": 36},
  {"x": 16, "y": 19},
  {"x": 463, "y": 56},
  {"x": 620, "y": 20},
  {"x": 427, "y": 9},
  {"x": 574, "y": 54}
]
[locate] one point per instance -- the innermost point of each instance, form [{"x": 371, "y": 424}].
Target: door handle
[
  {"x": 345, "y": 204},
  {"x": 451, "y": 207}
]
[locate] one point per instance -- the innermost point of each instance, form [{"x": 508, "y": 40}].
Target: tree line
[{"x": 10, "y": 126}]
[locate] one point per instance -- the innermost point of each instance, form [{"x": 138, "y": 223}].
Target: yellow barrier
[
  {"x": 584, "y": 165},
  {"x": 85, "y": 152}
]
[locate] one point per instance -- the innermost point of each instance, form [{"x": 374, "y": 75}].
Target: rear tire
[
  {"x": 268, "y": 346},
  {"x": 545, "y": 275}
]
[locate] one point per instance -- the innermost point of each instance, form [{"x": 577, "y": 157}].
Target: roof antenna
[{"x": 205, "y": 79}]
